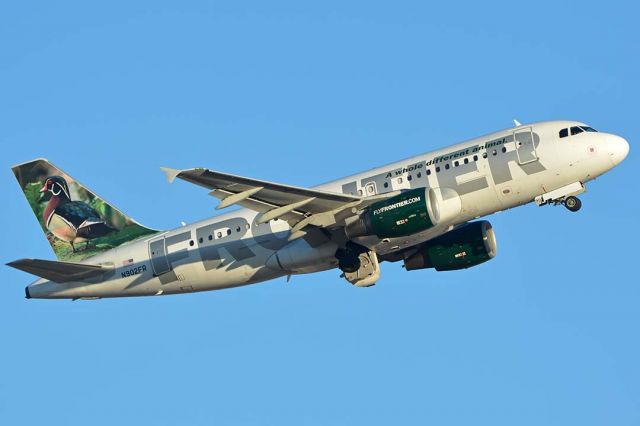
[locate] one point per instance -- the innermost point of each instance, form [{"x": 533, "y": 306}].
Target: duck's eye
[{"x": 54, "y": 190}]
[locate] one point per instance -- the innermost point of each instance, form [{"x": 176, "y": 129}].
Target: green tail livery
[{"x": 77, "y": 223}]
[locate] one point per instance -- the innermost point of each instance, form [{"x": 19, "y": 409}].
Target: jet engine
[
  {"x": 464, "y": 247},
  {"x": 410, "y": 212}
]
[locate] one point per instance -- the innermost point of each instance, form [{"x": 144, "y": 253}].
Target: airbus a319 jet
[{"x": 421, "y": 211}]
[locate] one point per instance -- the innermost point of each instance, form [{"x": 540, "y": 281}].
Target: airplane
[{"x": 422, "y": 211}]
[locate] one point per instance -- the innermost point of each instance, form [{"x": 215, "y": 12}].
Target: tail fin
[{"x": 77, "y": 223}]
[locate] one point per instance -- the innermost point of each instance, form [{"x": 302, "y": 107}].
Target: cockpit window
[{"x": 576, "y": 130}]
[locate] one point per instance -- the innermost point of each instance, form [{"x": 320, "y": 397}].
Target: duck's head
[{"x": 55, "y": 186}]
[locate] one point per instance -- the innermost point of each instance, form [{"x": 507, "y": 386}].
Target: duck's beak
[{"x": 45, "y": 195}]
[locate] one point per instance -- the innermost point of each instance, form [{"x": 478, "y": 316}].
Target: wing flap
[
  {"x": 228, "y": 199},
  {"x": 60, "y": 272}
]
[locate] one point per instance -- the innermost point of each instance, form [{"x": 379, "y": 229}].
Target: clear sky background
[{"x": 301, "y": 93}]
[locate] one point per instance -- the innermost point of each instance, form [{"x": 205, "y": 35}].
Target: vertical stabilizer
[{"x": 77, "y": 223}]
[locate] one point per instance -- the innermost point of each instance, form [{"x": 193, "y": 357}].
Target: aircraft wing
[{"x": 298, "y": 206}]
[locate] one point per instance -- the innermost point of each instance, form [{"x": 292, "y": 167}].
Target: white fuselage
[{"x": 490, "y": 173}]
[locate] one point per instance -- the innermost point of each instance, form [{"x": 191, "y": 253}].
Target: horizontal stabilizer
[{"x": 60, "y": 272}]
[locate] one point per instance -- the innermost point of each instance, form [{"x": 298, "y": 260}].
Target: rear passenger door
[{"x": 158, "y": 255}]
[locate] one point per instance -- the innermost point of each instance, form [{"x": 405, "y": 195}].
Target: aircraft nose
[{"x": 618, "y": 149}]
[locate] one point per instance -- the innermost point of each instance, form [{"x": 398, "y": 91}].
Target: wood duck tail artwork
[
  {"x": 77, "y": 223},
  {"x": 70, "y": 221}
]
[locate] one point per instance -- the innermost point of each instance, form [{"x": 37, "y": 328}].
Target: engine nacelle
[
  {"x": 464, "y": 247},
  {"x": 405, "y": 214}
]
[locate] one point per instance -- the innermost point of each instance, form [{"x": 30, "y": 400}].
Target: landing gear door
[
  {"x": 158, "y": 255},
  {"x": 525, "y": 146}
]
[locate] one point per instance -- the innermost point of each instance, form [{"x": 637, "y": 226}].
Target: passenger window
[
  {"x": 575, "y": 130},
  {"x": 386, "y": 184},
  {"x": 409, "y": 177},
  {"x": 438, "y": 169},
  {"x": 446, "y": 166},
  {"x": 484, "y": 154},
  {"x": 475, "y": 158},
  {"x": 456, "y": 164},
  {"x": 210, "y": 237},
  {"x": 466, "y": 161},
  {"x": 228, "y": 231},
  {"x": 419, "y": 175},
  {"x": 564, "y": 133},
  {"x": 219, "y": 234},
  {"x": 428, "y": 172}
]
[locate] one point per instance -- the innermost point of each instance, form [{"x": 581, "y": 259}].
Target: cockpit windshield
[{"x": 575, "y": 130}]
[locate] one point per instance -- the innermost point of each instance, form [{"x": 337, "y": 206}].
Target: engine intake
[
  {"x": 407, "y": 213},
  {"x": 464, "y": 247}
]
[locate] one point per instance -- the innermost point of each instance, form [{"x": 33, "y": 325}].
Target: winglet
[
  {"x": 170, "y": 173},
  {"x": 517, "y": 123}
]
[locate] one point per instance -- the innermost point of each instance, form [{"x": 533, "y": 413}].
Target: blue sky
[{"x": 301, "y": 93}]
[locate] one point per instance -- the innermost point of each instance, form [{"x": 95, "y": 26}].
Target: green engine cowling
[
  {"x": 407, "y": 213},
  {"x": 464, "y": 247}
]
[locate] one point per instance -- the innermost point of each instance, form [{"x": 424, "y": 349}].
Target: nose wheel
[
  {"x": 572, "y": 203},
  {"x": 565, "y": 195}
]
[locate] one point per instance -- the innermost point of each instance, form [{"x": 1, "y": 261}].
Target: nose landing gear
[
  {"x": 565, "y": 195},
  {"x": 572, "y": 203}
]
